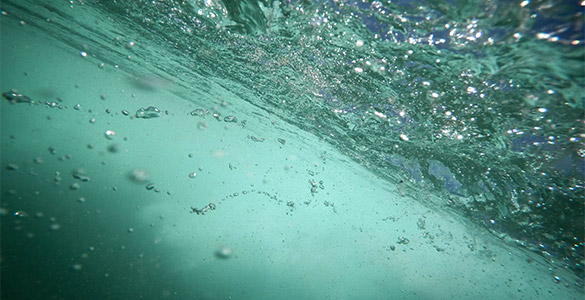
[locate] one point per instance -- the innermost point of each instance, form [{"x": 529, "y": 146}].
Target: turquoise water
[{"x": 302, "y": 150}]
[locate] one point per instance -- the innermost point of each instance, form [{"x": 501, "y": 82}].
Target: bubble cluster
[{"x": 148, "y": 113}]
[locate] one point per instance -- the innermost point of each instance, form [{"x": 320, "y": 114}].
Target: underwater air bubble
[{"x": 148, "y": 113}]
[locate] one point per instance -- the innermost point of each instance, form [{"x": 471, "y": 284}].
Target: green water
[{"x": 351, "y": 150}]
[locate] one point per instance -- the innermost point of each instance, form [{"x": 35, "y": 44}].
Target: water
[{"x": 338, "y": 149}]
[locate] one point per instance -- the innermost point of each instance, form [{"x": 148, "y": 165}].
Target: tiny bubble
[
  {"x": 21, "y": 214},
  {"x": 223, "y": 253},
  {"x": 139, "y": 175},
  {"x": 110, "y": 134}
]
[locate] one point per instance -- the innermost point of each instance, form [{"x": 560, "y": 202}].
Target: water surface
[{"x": 337, "y": 111}]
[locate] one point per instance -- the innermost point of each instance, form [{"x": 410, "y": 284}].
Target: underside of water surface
[{"x": 475, "y": 108}]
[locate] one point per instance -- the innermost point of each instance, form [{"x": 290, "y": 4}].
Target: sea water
[{"x": 292, "y": 150}]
